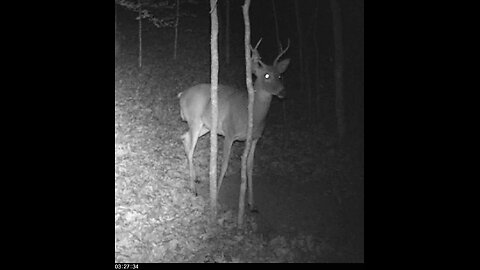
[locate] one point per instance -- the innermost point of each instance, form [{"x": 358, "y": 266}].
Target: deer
[{"x": 195, "y": 109}]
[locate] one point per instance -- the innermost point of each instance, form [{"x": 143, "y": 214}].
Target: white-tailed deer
[{"x": 195, "y": 108}]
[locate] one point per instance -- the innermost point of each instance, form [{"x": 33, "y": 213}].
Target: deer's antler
[
  {"x": 256, "y": 58},
  {"x": 282, "y": 52}
]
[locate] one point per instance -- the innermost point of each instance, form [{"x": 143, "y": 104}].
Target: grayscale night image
[{"x": 239, "y": 131}]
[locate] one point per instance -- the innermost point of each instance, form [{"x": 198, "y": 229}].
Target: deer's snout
[{"x": 282, "y": 93}]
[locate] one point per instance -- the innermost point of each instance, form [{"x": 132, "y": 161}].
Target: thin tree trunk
[
  {"x": 338, "y": 44},
  {"x": 139, "y": 33},
  {"x": 277, "y": 34},
  {"x": 214, "y": 100},
  {"x": 317, "y": 84},
  {"x": 177, "y": 18},
  {"x": 248, "y": 142},
  {"x": 300, "y": 46},
  {"x": 279, "y": 46},
  {"x": 309, "y": 69},
  {"x": 316, "y": 64}
]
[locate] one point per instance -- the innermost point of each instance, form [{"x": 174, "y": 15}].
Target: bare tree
[
  {"x": 279, "y": 45},
  {"x": 300, "y": 45},
  {"x": 168, "y": 19},
  {"x": 251, "y": 93},
  {"x": 177, "y": 18},
  {"x": 214, "y": 102},
  {"x": 317, "y": 82},
  {"x": 275, "y": 18},
  {"x": 140, "y": 33}
]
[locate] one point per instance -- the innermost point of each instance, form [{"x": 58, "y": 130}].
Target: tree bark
[
  {"x": 177, "y": 18},
  {"x": 214, "y": 100},
  {"x": 248, "y": 142},
  {"x": 139, "y": 34}
]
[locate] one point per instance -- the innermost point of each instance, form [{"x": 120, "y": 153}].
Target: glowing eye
[{"x": 267, "y": 76}]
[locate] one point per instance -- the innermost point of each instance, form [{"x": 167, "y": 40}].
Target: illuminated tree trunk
[{"x": 214, "y": 100}]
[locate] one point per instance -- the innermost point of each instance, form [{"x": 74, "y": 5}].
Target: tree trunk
[
  {"x": 177, "y": 18},
  {"x": 248, "y": 142},
  {"x": 139, "y": 34},
  {"x": 300, "y": 46},
  {"x": 279, "y": 46},
  {"x": 277, "y": 34},
  {"x": 214, "y": 100},
  {"x": 316, "y": 73}
]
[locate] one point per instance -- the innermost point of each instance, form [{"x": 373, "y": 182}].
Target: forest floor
[{"x": 309, "y": 194}]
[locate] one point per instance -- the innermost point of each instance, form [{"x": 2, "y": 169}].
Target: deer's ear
[{"x": 283, "y": 65}]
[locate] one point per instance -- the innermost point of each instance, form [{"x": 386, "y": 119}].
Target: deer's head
[{"x": 269, "y": 78}]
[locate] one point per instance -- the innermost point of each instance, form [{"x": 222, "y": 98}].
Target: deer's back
[{"x": 232, "y": 106}]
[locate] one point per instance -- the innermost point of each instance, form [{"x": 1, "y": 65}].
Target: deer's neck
[{"x": 261, "y": 105}]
